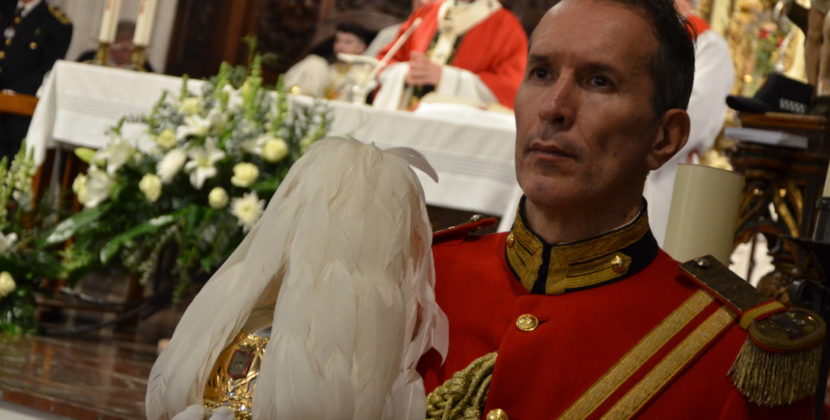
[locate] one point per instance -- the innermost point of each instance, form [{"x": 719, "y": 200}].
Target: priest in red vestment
[{"x": 472, "y": 50}]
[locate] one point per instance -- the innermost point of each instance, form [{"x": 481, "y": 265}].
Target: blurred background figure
[
  {"x": 121, "y": 51},
  {"x": 35, "y": 35},
  {"x": 817, "y": 46},
  {"x": 470, "y": 50},
  {"x": 388, "y": 34},
  {"x": 325, "y": 74}
]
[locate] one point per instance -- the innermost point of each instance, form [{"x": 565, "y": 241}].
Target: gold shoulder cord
[{"x": 464, "y": 395}]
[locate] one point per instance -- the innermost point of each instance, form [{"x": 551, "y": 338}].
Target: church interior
[{"x": 143, "y": 140}]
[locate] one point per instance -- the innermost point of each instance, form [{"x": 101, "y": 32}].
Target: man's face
[
  {"x": 348, "y": 43},
  {"x": 584, "y": 116}
]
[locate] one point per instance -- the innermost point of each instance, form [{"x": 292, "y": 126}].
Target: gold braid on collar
[{"x": 556, "y": 268}]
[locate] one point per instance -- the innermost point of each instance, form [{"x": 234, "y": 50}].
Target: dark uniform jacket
[{"x": 40, "y": 38}]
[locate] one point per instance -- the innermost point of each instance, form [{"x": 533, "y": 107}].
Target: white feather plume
[{"x": 344, "y": 249}]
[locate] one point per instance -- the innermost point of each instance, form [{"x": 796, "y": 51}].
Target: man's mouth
[{"x": 551, "y": 149}]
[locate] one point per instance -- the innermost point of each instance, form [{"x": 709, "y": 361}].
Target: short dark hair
[
  {"x": 673, "y": 67},
  {"x": 357, "y": 30}
]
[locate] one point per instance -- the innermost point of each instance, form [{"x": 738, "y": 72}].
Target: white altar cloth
[{"x": 472, "y": 151}]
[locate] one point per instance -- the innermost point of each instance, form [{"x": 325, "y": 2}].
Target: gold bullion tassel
[
  {"x": 771, "y": 379},
  {"x": 464, "y": 395},
  {"x": 779, "y": 362}
]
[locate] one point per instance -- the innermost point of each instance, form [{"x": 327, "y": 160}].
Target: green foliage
[{"x": 25, "y": 260}]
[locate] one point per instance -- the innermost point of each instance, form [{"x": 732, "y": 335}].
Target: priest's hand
[{"x": 422, "y": 70}]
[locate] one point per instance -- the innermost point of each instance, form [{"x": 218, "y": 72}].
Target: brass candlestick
[
  {"x": 102, "y": 54},
  {"x": 139, "y": 57}
]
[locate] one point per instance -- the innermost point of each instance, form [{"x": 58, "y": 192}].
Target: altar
[{"x": 471, "y": 149}]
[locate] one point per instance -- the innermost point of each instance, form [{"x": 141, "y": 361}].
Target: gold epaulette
[
  {"x": 779, "y": 363},
  {"x": 475, "y": 224},
  {"x": 59, "y": 15}
]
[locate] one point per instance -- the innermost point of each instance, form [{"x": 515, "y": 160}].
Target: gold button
[
  {"x": 17, "y": 20},
  {"x": 618, "y": 264},
  {"x": 510, "y": 240},
  {"x": 527, "y": 322},
  {"x": 2, "y": 55},
  {"x": 497, "y": 414},
  {"x": 33, "y": 45},
  {"x": 8, "y": 41}
]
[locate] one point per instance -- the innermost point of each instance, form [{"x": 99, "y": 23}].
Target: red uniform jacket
[
  {"x": 582, "y": 331},
  {"x": 495, "y": 49}
]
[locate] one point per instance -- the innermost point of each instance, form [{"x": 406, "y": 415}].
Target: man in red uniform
[
  {"x": 576, "y": 313},
  {"x": 474, "y": 50}
]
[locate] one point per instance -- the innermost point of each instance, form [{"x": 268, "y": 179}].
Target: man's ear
[{"x": 671, "y": 136}]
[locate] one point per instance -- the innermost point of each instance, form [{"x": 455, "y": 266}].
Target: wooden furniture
[
  {"x": 17, "y": 104},
  {"x": 782, "y": 187}
]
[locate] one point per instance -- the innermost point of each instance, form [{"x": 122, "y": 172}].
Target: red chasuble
[{"x": 495, "y": 49}]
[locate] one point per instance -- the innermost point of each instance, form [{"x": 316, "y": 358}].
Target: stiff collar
[{"x": 544, "y": 268}]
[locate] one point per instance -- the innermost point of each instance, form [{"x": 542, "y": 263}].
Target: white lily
[
  {"x": 170, "y": 165},
  {"x": 116, "y": 154},
  {"x": 98, "y": 186},
  {"x": 6, "y": 241},
  {"x": 234, "y": 97},
  {"x": 193, "y": 126},
  {"x": 254, "y": 145},
  {"x": 217, "y": 119},
  {"x": 202, "y": 162}
]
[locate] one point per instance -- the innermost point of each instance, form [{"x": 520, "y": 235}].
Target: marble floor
[
  {"x": 100, "y": 375},
  {"x": 76, "y": 378}
]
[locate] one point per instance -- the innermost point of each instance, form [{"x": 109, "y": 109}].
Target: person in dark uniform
[{"x": 35, "y": 35}]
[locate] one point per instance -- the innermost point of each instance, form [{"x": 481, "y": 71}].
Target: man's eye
[
  {"x": 539, "y": 73},
  {"x": 600, "y": 81}
]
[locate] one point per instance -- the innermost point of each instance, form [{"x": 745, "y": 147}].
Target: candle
[
  {"x": 144, "y": 22},
  {"x": 704, "y": 212},
  {"x": 826, "y": 192},
  {"x": 109, "y": 22}
]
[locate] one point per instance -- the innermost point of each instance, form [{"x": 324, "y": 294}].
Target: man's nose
[{"x": 560, "y": 102}]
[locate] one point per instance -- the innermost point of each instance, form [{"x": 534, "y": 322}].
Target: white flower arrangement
[{"x": 213, "y": 155}]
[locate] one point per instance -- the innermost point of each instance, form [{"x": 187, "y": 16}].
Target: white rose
[
  {"x": 166, "y": 139},
  {"x": 247, "y": 209},
  {"x": 218, "y": 198},
  {"x": 274, "y": 150},
  {"x": 79, "y": 188},
  {"x": 171, "y": 164},
  {"x": 191, "y": 106},
  {"x": 7, "y": 284},
  {"x": 150, "y": 185},
  {"x": 244, "y": 174}
]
